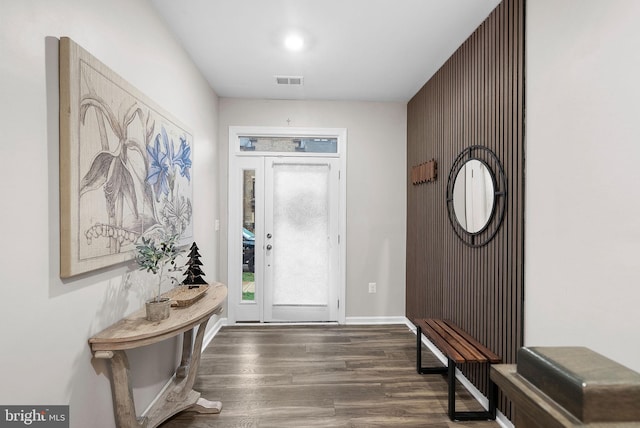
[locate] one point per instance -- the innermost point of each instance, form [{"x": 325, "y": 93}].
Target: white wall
[
  {"x": 45, "y": 323},
  {"x": 582, "y": 228},
  {"x": 376, "y": 188}
]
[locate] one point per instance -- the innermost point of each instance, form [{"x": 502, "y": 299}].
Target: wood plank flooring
[{"x": 321, "y": 376}]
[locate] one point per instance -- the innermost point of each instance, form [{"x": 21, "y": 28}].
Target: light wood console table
[{"x": 135, "y": 331}]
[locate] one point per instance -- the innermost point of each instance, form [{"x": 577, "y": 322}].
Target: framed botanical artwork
[{"x": 125, "y": 167}]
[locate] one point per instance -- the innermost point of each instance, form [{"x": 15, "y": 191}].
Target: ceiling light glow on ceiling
[{"x": 294, "y": 42}]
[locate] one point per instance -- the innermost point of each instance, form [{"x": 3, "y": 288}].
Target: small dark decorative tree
[{"x": 193, "y": 273}]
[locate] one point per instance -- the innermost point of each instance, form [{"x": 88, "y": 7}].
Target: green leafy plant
[{"x": 154, "y": 256}]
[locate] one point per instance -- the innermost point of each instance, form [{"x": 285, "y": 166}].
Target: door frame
[{"x": 234, "y": 250}]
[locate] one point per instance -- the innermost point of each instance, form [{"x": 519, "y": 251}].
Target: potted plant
[{"x": 158, "y": 257}]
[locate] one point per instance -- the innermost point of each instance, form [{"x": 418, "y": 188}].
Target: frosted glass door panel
[
  {"x": 300, "y": 258},
  {"x": 301, "y": 250}
]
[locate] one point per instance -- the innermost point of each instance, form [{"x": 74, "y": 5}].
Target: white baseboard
[
  {"x": 209, "y": 335},
  {"x": 348, "y": 321},
  {"x": 375, "y": 320},
  {"x": 502, "y": 420}
]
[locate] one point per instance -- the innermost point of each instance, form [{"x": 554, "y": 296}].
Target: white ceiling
[{"x": 377, "y": 50}]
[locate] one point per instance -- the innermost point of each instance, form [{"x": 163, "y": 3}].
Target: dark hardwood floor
[{"x": 321, "y": 376}]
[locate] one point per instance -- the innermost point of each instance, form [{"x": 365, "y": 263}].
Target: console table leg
[
  {"x": 196, "y": 354},
  {"x": 187, "y": 346},
  {"x": 188, "y": 370},
  {"x": 185, "y": 385},
  {"x": 125, "y": 411}
]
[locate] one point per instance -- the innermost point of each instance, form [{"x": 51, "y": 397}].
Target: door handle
[
  {"x": 268, "y": 235},
  {"x": 269, "y": 247}
]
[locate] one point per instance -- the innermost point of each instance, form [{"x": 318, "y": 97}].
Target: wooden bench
[{"x": 459, "y": 348}]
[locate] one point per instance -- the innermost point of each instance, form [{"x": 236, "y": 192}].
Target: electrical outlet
[
  {"x": 217, "y": 225},
  {"x": 372, "y": 287}
]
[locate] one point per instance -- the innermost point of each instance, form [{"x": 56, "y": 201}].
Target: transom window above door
[{"x": 288, "y": 144}]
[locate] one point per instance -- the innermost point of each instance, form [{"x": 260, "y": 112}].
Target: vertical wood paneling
[{"x": 477, "y": 97}]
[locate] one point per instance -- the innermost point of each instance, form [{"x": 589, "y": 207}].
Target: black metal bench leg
[
  {"x": 493, "y": 399},
  {"x": 452, "y": 388},
  {"x": 489, "y": 414},
  {"x": 419, "y": 368},
  {"x": 419, "y": 349}
]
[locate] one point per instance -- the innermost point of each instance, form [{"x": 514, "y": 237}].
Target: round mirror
[
  {"x": 473, "y": 196},
  {"x": 476, "y": 195}
]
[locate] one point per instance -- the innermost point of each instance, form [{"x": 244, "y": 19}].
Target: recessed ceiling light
[{"x": 294, "y": 42}]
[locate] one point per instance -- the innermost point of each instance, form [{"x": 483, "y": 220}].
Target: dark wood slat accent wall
[{"x": 477, "y": 97}]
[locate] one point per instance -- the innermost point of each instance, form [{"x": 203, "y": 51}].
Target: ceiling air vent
[{"x": 289, "y": 80}]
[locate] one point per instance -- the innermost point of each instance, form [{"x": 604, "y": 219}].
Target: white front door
[{"x": 301, "y": 239}]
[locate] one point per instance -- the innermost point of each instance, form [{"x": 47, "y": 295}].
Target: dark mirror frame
[{"x": 488, "y": 232}]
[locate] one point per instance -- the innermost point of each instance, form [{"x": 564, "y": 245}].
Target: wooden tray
[{"x": 183, "y": 296}]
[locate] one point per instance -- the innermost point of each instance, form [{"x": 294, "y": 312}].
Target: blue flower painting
[{"x": 169, "y": 168}]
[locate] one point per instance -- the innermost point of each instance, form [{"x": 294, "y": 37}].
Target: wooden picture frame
[{"x": 125, "y": 166}]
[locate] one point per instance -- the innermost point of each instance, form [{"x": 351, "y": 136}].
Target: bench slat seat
[
  {"x": 486, "y": 352},
  {"x": 459, "y": 348},
  {"x": 456, "y": 343}
]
